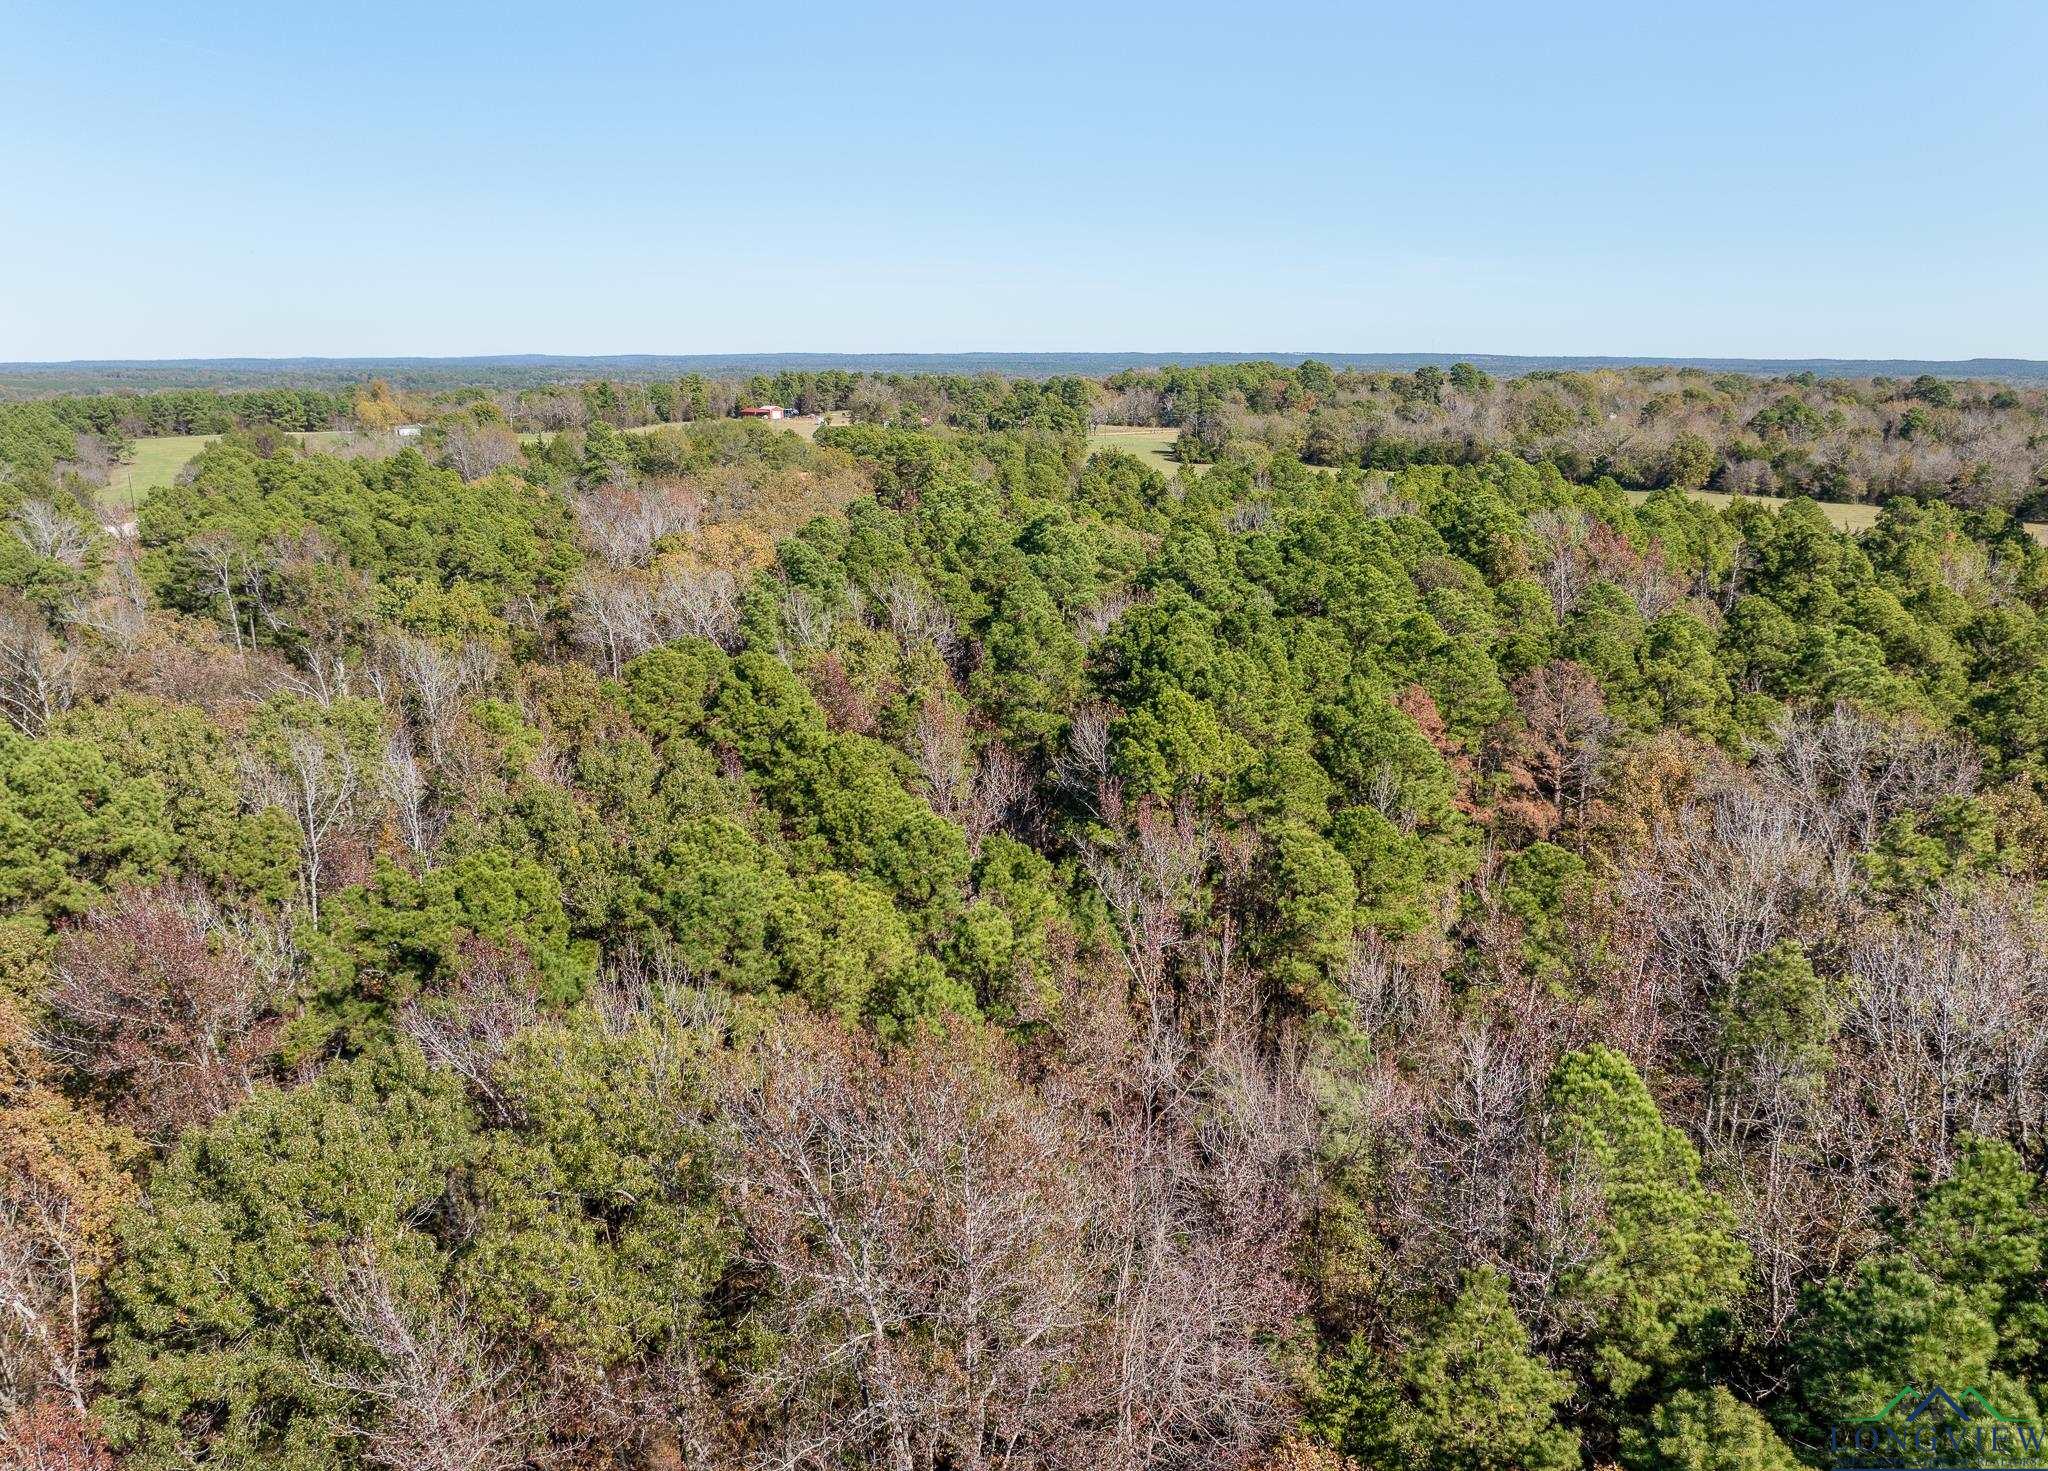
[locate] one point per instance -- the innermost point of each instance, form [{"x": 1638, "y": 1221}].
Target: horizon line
[{"x": 1161, "y": 355}]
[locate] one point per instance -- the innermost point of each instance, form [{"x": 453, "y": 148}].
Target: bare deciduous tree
[
  {"x": 611, "y": 613},
  {"x": 476, "y": 450},
  {"x": 807, "y": 618},
  {"x": 46, "y": 1269},
  {"x": 436, "y": 1398},
  {"x": 922, "y": 1221},
  {"x": 1556, "y": 757},
  {"x": 492, "y": 997},
  {"x": 52, "y": 1436},
  {"x": 315, "y": 779},
  {"x": 1848, "y": 774},
  {"x": 1198, "y": 1156},
  {"x": 1148, "y": 881},
  {"x": 697, "y": 603},
  {"x": 623, "y": 525},
  {"x": 50, "y": 534},
  {"x": 1724, "y": 883},
  {"x": 39, "y": 671},
  {"x": 622, "y": 614},
  {"x": 1947, "y": 1026},
  {"x": 120, "y": 614},
  {"x": 968, "y": 1273},
  {"x": 406, "y": 788},
  {"x": 1200, "y": 1216},
  {"x": 439, "y": 680},
  {"x": 164, "y": 1002},
  {"x": 918, "y": 618}
]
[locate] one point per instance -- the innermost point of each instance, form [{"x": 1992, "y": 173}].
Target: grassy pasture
[
  {"x": 155, "y": 462},
  {"x": 1842, "y": 517},
  {"x": 1153, "y": 446},
  {"x": 151, "y": 463}
]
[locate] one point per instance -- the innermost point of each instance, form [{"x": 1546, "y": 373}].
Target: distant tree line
[
  {"x": 200, "y": 411},
  {"x": 985, "y": 402},
  {"x": 1976, "y": 444},
  {"x": 1836, "y": 439}
]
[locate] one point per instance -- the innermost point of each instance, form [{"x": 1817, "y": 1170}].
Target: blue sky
[{"x": 1810, "y": 179}]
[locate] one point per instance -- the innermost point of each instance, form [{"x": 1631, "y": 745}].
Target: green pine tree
[
  {"x": 1665, "y": 1261},
  {"x": 1704, "y": 1431},
  {"x": 1468, "y": 1395}
]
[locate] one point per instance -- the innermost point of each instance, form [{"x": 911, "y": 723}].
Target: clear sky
[{"x": 1784, "y": 179}]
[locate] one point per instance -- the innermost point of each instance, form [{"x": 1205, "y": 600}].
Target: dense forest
[{"x": 928, "y": 948}]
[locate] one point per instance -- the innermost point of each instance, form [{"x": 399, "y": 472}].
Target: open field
[
  {"x": 151, "y": 463},
  {"x": 1153, "y": 446},
  {"x": 156, "y": 462},
  {"x": 1845, "y": 517}
]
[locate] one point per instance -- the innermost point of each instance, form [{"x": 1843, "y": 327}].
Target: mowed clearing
[
  {"x": 155, "y": 462},
  {"x": 1153, "y": 446},
  {"x": 1842, "y": 516}
]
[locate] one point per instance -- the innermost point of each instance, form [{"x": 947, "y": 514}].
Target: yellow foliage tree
[
  {"x": 378, "y": 407},
  {"x": 64, "y": 1179}
]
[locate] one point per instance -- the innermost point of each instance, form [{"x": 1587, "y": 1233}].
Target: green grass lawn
[
  {"x": 1846, "y": 518},
  {"x": 151, "y": 463},
  {"x": 154, "y": 463},
  {"x": 1153, "y": 446}
]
